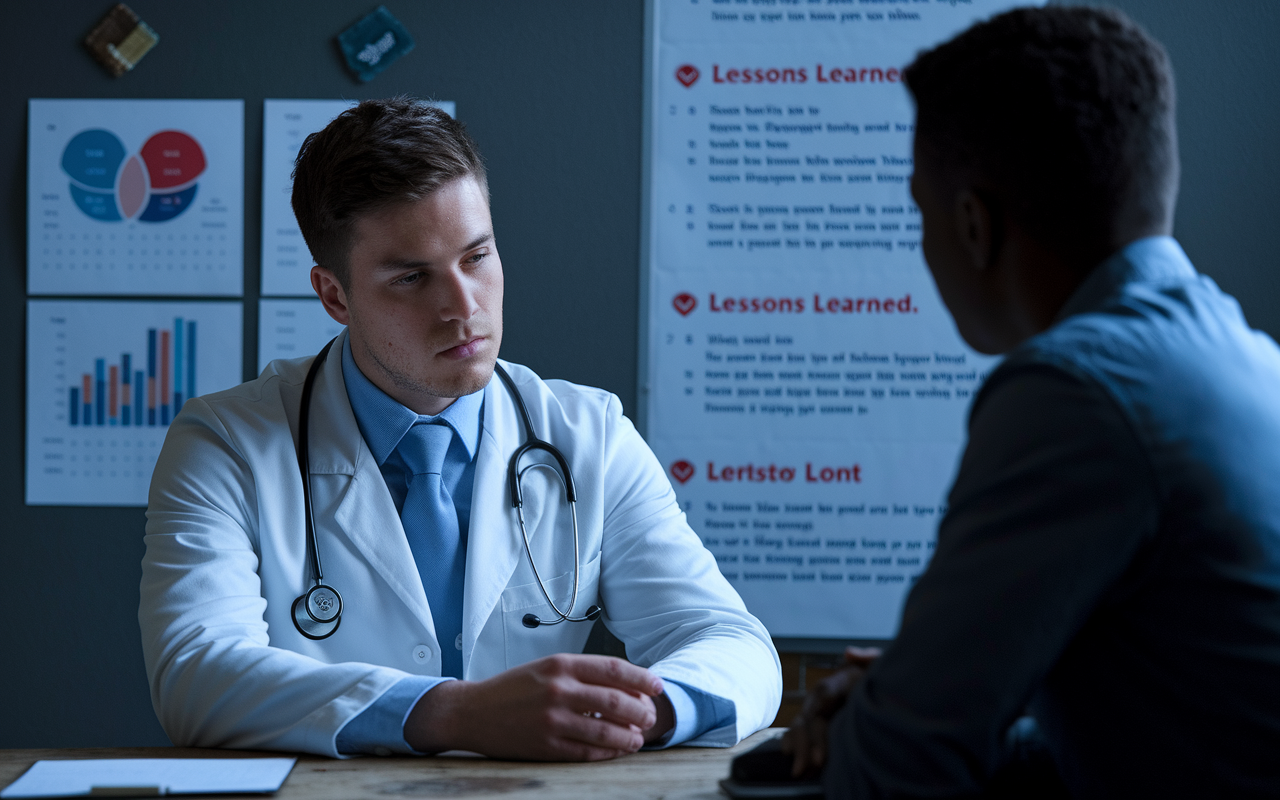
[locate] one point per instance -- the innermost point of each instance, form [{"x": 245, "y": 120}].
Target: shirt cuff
[
  {"x": 379, "y": 729},
  {"x": 696, "y": 712}
]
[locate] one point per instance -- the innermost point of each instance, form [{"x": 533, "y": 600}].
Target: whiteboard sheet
[
  {"x": 74, "y": 778},
  {"x": 135, "y": 197},
  {"x": 104, "y": 380},
  {"x": 286, "y": 261},
  {"x": 804, "y": 385}
]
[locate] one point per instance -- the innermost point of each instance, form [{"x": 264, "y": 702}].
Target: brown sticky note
[{"x": 120, "y": 40}]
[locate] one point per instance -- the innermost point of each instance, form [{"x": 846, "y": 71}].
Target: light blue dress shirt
[{"x": 383, "y": 421}]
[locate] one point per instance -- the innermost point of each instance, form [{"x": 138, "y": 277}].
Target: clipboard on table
[{"x": 149, "y": 777}]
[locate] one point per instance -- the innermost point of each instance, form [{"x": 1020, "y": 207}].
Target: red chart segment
[{"x": 173, "y": 158}]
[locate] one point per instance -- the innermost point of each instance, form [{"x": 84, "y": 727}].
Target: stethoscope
[{"x": 318, "y": 613}]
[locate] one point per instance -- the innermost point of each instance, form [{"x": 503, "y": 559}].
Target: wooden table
[{"x": 681, "y": 772}]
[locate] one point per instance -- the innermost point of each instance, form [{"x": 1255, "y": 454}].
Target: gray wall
[
  {"x": 552, "y": 92},
  {"x": 1228, "y": 71}
]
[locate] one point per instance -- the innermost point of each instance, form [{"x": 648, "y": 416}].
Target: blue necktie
[{"x": 431, "y": 525}]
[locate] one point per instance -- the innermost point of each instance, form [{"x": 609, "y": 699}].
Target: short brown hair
[
  {"x": 378, "y": 154},
  {"x": 1065, "y": 114}
]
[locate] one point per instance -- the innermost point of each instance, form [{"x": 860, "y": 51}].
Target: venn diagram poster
[
  {"x": 135, "y": 197},
  {"x": 802, "y": 381}
]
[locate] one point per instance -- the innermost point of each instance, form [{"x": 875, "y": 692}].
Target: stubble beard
[
  {"x": 450, "y": 386},
  {"x": 467, "y": 381}
]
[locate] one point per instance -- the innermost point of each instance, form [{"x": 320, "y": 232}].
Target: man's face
[
  {"x": 424, "y": 300},
  {"x": 965, "y": 287}
]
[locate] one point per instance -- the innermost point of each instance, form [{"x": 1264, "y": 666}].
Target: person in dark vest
[{"x": 1110, "y": 561}]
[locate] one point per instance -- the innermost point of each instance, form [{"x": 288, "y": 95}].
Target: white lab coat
[{"x": 226, "y": 556}]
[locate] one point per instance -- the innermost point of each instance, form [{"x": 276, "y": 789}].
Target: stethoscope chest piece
[{"x": 318, "y": 613}]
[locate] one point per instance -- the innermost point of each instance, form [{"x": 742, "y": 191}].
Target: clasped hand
[
  {"x": 558, "y": 708},
  {"x": 806, "y": 739}
]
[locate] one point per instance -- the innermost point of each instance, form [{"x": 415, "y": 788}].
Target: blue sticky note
[{"x": 374, "y": 43}]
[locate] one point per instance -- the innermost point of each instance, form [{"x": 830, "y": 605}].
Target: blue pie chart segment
[
  {"x": 164, "y": 207},
  {"x": 92, "y": 158},
  {"x": 98, "y": 205}
]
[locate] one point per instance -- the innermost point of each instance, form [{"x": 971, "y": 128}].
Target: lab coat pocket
[{"x": 524, "y": 644}]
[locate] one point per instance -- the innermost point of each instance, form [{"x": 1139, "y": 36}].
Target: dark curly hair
[
  {"x": 380, "y": 153},
  {"x": 1064, "y": 114}
]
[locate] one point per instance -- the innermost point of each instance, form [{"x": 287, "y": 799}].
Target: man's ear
[
  {"x": 977, "y": 229},
  {"x": 329, "y": 289}
]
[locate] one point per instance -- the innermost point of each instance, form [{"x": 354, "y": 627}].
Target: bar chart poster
[
  {"x": 292, "y": 329},
  {"x": 135, "y": 197},
  {"x": 286, "y": 261},
  {"x": 802, "y": 381},
  {"x": 105, "y": 378}
]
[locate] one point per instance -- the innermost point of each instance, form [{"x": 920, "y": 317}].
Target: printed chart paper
[
  {"x": 104, "y": 380},
  {"x": 286, "y": 261},
  {"x": 292, "y": 329},
  {"x": 804, "y": 385},
  {"x": 135, "y": 197}
]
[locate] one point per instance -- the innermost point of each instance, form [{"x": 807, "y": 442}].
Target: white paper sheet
[
  {"x": 292, "y": 329},
  {"x": 803, "y": 384},
  {"x": 164, "y": 775},
  {"x": 135, "y": 197},
  {"x": 286, "y": 262}
]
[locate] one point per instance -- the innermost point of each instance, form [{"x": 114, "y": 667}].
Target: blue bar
[
  {"x": 152, "y": 389},
  {"x": 191, "y": 359},
  {"x": 100, "y": 389},
  {"x": 126, "y": 409},
  {"x": 139, "y": 382},
  {"x": 73, "y": 410},
  {"x": 177, "y": 365}
]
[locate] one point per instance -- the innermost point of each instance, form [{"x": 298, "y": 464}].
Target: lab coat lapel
[
  {"x": 494, "y": 546},
  {"x": 347, "y": 484}
]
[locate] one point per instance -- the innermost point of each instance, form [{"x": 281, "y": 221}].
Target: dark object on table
[
  {"x": 1027, "y": 770},
  {"x": 120, "y": 40},
  {"x": 765, "y": 771}
]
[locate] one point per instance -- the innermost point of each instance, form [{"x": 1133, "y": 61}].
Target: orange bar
[
  {"x": 165, "y": 394},
  {"x": 113, "y": 391},
  {"x": 126, "y": 390},
  {"x": 87, "y": 396}
]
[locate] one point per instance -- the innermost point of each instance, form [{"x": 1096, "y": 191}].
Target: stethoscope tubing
[
  {"x": 304, "y": 460},
  {"x": 524, "y": 534}
]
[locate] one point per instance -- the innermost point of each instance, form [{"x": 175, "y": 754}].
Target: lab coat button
[
  {"x": 458, "y": 642},
  {"x": 421, "y": 654}
]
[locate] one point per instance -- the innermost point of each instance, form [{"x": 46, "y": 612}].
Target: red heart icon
[
  {"x": 687, "y": 74},
  {"x": 684, "y": 303},
  {"x": 682, "y": 471}
]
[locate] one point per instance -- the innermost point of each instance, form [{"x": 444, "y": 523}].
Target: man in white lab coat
[{"x": 432, "y": 649}]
